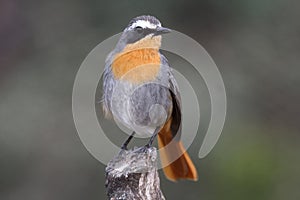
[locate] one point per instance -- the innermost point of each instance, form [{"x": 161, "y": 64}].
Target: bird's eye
[{"x": 139, "y": 29}]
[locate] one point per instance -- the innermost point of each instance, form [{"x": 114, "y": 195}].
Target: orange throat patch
[{"x": 137, "y": 66}]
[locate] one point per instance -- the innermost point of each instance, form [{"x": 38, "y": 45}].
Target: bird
[{"x": 141, "y": 92}]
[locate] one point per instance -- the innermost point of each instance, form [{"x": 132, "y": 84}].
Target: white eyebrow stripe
[{"x": 144, "y": 24}]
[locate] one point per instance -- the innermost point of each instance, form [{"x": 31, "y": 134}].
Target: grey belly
[
  {"x": 142, "y": 108},
  {"x": 150, "y": 104}
]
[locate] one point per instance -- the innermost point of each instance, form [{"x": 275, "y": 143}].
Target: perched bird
[{"x": 140, "y": 92}]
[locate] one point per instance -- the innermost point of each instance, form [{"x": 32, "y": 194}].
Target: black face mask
[{"x": 137, "y": 33}]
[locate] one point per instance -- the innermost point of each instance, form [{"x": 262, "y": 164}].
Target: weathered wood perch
[{"x": 132, "y": 175}]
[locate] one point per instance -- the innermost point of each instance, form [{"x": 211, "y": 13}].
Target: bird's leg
[
  {"x": 145, "y": 148},
  {"x": 149, "y": 144},
  {"x": 125, "y": 144}
]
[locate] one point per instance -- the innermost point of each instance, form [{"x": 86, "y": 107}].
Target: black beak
[{"x": 161, "y": 30}]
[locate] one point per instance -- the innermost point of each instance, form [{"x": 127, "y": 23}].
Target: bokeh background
[{"x": 255, "y": 44}]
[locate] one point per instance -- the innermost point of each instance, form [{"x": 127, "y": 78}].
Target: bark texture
[{"x": 132, "y": 175}]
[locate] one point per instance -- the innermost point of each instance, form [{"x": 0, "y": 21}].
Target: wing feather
[{"x": 176, "y": 101}]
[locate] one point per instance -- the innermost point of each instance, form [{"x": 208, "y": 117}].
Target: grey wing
[
  {"x": 176, "y": 101},
  {"x": 108, "y": 86}
]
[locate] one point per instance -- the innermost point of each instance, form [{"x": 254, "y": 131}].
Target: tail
[{"x": 180, "y": 168}]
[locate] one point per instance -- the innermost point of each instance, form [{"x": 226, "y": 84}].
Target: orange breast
[{"x": 137, "y": 66}]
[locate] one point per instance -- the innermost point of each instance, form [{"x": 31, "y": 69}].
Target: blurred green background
[{"x": 255, "y": 44}]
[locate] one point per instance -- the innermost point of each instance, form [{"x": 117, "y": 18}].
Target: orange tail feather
[{"x": 180, "y": 168}]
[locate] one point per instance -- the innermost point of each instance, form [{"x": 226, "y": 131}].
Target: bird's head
[{"x": 142, "y": 32}]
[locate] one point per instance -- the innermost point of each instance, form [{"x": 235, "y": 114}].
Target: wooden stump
[{"x": 132, "y": 175}]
